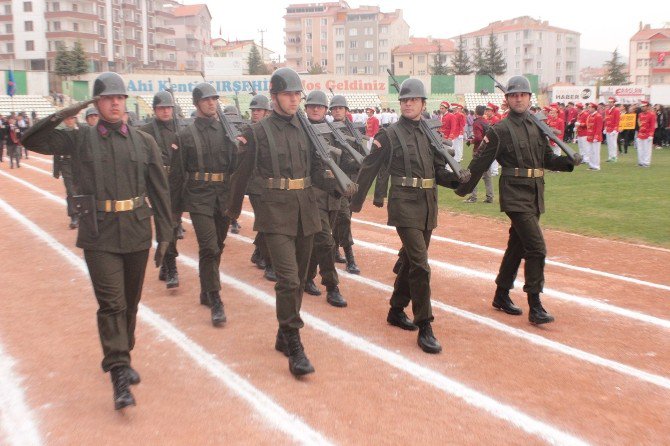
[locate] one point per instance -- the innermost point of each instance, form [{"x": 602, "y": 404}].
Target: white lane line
[
  {"x": 40, "y": 159},
  {"x": 435, "y": 379},
  {"x": 16, "y": 419},
  {"x": 275, "y": 415}
]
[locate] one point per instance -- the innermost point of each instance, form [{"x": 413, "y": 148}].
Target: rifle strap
[
  {"x": 515, "y": 141},
  {"x": 273, "y": 148},
  {"x": 405, "y": 150},
  {"x": 355, "y": 133},
  {"x": 140, "y": 156},
  {"x": 198, "y": 147},
  {"x": 157, "y": 132}
]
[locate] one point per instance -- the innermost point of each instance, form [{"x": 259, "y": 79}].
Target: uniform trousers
[
  {"x": 66, "y": 173},
  {"x": 584, "y": 149},
  {"x": 259, "y": 240},
  {"x": 644, "y": 151},
  {"x": 342, "y": 228},
  {"x": 211, "y": 232},
  {"x": 322, "y": 252},
  {"x": 612, "y": 144}
]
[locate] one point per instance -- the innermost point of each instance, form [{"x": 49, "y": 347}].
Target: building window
[
  {"x": 28, "y": 25},
  {"x": 558, "y": 51},
  {"x": 30, "y": 45},
  {"x": 558, "y": 37},
  {"x": 324, "y": 48},
  {"x": 308, "y": 36},
  {"x": 324, "y": 35},
  {"x": 422, "y": 72},
  {"x": 539, "y": 50},
  {"x": 339, "y": 57},
  {"x": 75, "y": 27},
  {"x": 75, "y": 7},
  {"x": 353, "y": 57},
  {"x": 558, "y": 66},
  {"x": 8, "y": 28},
  {"x": 151, "y": 55},
  {"x": 27, "y": 6},
  {"x": 353, "y": 44},
  {"x": 324, "y": 62},
  {"x": 339, "y": 70},
  {"x": 368, "y": 44},
  {"x": 101, "y": 30},
  {"x": 539, "y": 35},
  {"x": 368, "y": 70},
  {"x": 151, "y": 39},
  {"x": 324, "y": 22},
  {"x": 8, "y": 9},
  {"x": 517, "y": 65},
  {"x": 354, "y": 70},
  {"x": 353, "y": 32},
  {"x": 367, "y": 31},
  {"x": 558, "y": 79},
  {"x": 172, "y": 57},
  {"x": 368, "y": 57},
  {"x": 539, "y": 65},
  {"x": 102, "y": 48},
  {"x": 526, "y": 34},
  {"x": 308, "y": 22},
  {"x": 56, "y": 26},
  {"x": 101, "y": 12},
  {"x": 383, "y": 29},
  {"x": 10, "y": 47},
  {"x": 383, "y": 43},
  {"x": 383, "y": 68},
  {"x": 308, "y": 49},
  {"x": 117, "y": 34},
  {"x": 339, "y": 31},
  {"x": 421, "y": 59},
  {"x": 400, "y": 64},
  {"x": 339, "y": 44},
  {"x": 55, "y": 6},
  {"x": 383, "y": 57}
]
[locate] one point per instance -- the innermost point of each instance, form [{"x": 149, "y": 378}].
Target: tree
[
  {"x": 439, "y": 67},
  {"x": 615, "y": 71},
  {"x": 495, "y": 61},
  {"x": 460, "y": 64},
  {"x": 63, "y": 61},
  {"x": 255, "y": 63},
  {"x": 316, "y": 69},
  {"x": 78, "y": 58},
  {"x": 479, "y": 62}
]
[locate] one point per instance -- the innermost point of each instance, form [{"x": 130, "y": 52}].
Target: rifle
[
  {"x": 175, "y": 121},
  {"x": 576, "y": 158},
  {"x": 358, "y": 139},
  {"x": 347, "y": 186},
  {"x": 228, "y": 128},
  {"x": 436, "y": 141}
]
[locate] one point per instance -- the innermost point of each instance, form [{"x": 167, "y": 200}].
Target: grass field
[{"x": 622, "y": 201}]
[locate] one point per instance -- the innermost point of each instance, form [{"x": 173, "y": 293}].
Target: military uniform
[{"x": 62, "y": 167}]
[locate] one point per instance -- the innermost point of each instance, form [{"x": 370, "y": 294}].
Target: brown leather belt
[
  {"x": 524, "y": 173},
  {"x": 288, "y": 183},
  {"x": 420, "y": 183},
  {"x": 120, "y": 205},
  {"x": 207, "y": 176}
]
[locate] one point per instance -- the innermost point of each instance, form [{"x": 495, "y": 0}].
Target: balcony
[
  {"x": 71, "y": 15},
  {"x": 292, "y": 41}
]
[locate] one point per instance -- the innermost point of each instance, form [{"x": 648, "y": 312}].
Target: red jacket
[
  {"x": 612, "y": 117},
  {"x": 447, "y": 124},
  {"x": 594, "y": 127},
  {"x": 371, "y": 126},
  {"x": 458, "y": 125},
  {"x": 647, "y": 124},
  {"x": 479, "y": 128},
  {"x": 571, "y": 114},
  {"x": 581, "y": 130},
  {"x": 558, "y": 124},
  {"x": 495, "y": 118}
]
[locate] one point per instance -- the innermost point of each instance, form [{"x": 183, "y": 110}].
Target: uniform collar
[
  {"x": 167, "y": 124},
  {"x": 107, "y": 128},
  {"x": 203, "y": 122},
  {"x": 282, "y": 121},
  {"x": 408, "y": 123}
]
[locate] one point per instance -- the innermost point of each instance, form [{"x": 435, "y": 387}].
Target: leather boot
[
  {"x": 74, "y": 222},
  {"x": 310, "y": 288},
  {"x": 503, "y": 302},
  {"x": 218, "y": 316},
  {"x": 398, "y": 318},
  {"x": 133, "y": 376},
  {"x": 537, "y": 314},
  {"x": 298, "y": 363},
  {"x": 162, "y": 273},
  {"x": 352, "y": 268},
  {"x": 172, "y": 279},
  {"x": 338, "y": 256},
  {"x": 204, "y": 299},
  {"x": 122, "y": 396},
  {"x": 269, "y": 274},
  {"x": 280, "y": 343},
  {"x": 397, "y": 266},
  {"x": 334, "y": 297},
  {"x": 426, "y": 339},
  {"x": 180, "y": 231},
  {"x": 261, "y": 264},
  {"x": 256, "y": 255}
]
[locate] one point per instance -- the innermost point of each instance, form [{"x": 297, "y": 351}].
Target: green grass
[{"x": 622, "y": 201}]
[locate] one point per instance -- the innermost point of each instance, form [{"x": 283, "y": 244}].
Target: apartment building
[
  {"x": 342, "y": 40},
  {"x": 193, "y": 36},
  {"x": 650, "y": 56},
  {"x": 531, "y": 46},
  {"x": 418, "y": 57}
]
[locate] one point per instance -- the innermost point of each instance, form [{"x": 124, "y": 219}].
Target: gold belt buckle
[
  {"x": 427, "y": 183},
  {"x": 539, "y": 173},
  {"x": 123, "y": 205},
  {"x": 216, "y": 177},
  {"x": 298, "y": 183}
]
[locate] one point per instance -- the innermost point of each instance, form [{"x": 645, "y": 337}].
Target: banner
[
  {"x": 575, "y": 94},
  {"x": 627, "y": 122},
  {"x": 11, "y": 83},
  {"x": 624, "y": 94}
]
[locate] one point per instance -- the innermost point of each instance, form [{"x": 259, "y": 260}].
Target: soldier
[
  {"x": 342, "y": 230},
  {"x": 62, "y": 166},
  {"x": 329, "y": 205},
  {"x": 199, "y": 183},
  {"x": 162, "y": 128},
  {"x": 414, "y": 171},
  {"x": 116, "y": 168},
  {"x": 278, "y": 148},
  {"x": 231, "y": 110},
  {"x": 260, "y": 108},
  {"x": 523, "y": 152},
  {"x": 91, "y": 116}
]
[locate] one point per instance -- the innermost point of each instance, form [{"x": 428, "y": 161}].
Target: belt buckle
[
  {"x": 298, "y": 183},
  {"x": 123, "y": 205},
  {"x": 426, "y": 183}
]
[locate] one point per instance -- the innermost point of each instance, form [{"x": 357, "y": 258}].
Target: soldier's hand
[
  {"x": 464, "y": 176},
  {"x": 161, "y": 249},
  {"x": 577, "y": 159},
  {"x": 379, "y": 204},
  {"x": 73, "y": 110},
  {"x": 351, "y": 190}
]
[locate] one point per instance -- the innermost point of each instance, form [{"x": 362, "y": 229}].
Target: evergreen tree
[
  {"x": 495, "y": 61},
  {"x": 255, "y": 63},
  {"x": 316, "y": 69},
  {"x": 439, "y": 67},
  {"x": 479, "y": 62},
  {"x": 63, "y": 61},
  {"x": 615, "y": 71},
  {"x": 78, "y": 58},
  {"x": 460, "y": 64}
]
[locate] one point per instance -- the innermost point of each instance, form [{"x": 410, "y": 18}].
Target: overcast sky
[{"x": 603, "y": 26}]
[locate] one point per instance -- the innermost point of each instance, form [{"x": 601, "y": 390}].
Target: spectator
[{"x": 661, "y": 124}]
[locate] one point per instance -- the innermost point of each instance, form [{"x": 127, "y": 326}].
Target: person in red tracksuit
[
  {"x": 570, "y": 117},
  {"x": 594, "y": 135},
  {"x": 495, "y": 117},
  {"x": 372, "y": 124},
  {"x": 479, "y": 128},
  {"x": 612, "y": 118},
  {"x": 580, "y": 131},
  {"x": 457, "y": 129},
  {"x": 447, "y": 119},
  {"x": 558, "y": 124},
  {"x": 646, "y": 121}
]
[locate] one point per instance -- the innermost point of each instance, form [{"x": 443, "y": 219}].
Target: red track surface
[{"x": 498, "y": 380}]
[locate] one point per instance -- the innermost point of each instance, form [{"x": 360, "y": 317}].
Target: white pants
[
  {"x": 644, "y": 151},
  {"x": 493, "y": 170},
  {"x": 584, "y": 148},
  {"x": 612, "y": 144},
  {"x": 594, "y": 154},
  {"x": 457, "y": 145}
]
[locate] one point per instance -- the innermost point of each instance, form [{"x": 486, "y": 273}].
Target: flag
[
  {"x": 11, "y": 84},
  {"x": 661, "y": 58}
]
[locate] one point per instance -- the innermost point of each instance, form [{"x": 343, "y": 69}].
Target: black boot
[
  {"x": 180, "y": 231},
  {"x": 397, "y": 266},
  {"x": 235, "y": 227},
  {"x": 280, "y": 343},
  {"x": 537, "y": 314},
  {"x": 133, "y": 376},
  {"x": 310, "y": 288},
  {"x": 122, "y": 396},
  {"x": 426, "y": 339},
  {"x": 218, "y": 316},
  {"x": 261, "y": 264},
  {"x": 204, "y": 299},
  {"x": 503, "y": 302},
  {"x": 398, "y": 318},
  {"x": 352, "y": 268},
  {"x": 269, "y": 274},
  {"x": 334, "y": 297},
  {"x": 74, "y": 222},
  {"x": 162, "y": 273},
  {"x": 255, "y": 257},
  {"x": 298, "y": 363},
  {"x": 172, "y": 279},
  {"x": 338, "y": 256}
]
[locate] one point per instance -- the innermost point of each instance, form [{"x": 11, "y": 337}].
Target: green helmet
[
  {"x": 339, "y": 101},
  {"x": 109, "y": 84},
  {"x": 204, "y": 90},
  {"x": 285, "y": 79},
  {"x": 163, "y": 99},
  {"x": 518, "y": 84},
  {"x": 317, "y": 98},
  {"x": 412, "y": 88},
  {"x": 230, "y": 110},
  {"x": 91, "y": 111},
  {"x": 260, "y": 102}
]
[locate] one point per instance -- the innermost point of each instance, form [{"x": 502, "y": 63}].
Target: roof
[
  {"x": 425, "y": 45},
  {"x": 517, "y": 24},
  {"x": 189, "y": 10},
  {"x": 650, "y": 33}
]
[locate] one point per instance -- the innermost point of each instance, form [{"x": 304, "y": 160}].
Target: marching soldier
[
  {"x": 279, "y": 150},
  {"x": 414, "y": 171},
  {"x": 329, "y": 205},
  {"x": 162, "y": 128},
  {"x": 91, "y": 116},
  {"x": 199, "y": 184},
  {"x": 116, "y": 168},
  {"x": 62, "y": 166},
  {"x": 524, "y": 153}
]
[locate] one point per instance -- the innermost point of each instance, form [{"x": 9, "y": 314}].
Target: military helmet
[
  {"x": 285, "y": 79},
  {"x": 109, "y": 84},
  {"x": 518, "y": 84},
  {"x": 339, "y": 101},
  {"x": 163, "y": 99},
  {"x": 230, "y": 110},
  {"x": 412, "y": 88},
  {"x": 260, "y": 102},
  {"x": 317, "y": 98},
  {"x": 204, "y": 90},
  {"x": 91, "y": 111}
]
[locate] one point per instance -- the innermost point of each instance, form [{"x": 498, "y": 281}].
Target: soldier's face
[
  {"x": 111, "y": 108},
  {"x": 70, "y": 122},
  {"x": 287, "y": 102},
  {"x": 92, "y": 120},
  {"x": 518, "y": 102},
  {"x": 339, "y": 113},
  {"x": 257, "y": 114},
  {"x": 163, "y": 113},
  {"x": 207, "y": 107},
  {"x": 315, "y": 112},
  {"x": 411, "y": 108}
]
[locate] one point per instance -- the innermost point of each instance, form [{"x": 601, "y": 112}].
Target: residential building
[
  {"x": 418, "y": 57},
  {"x": 531, "y": 46},
  {"x": 193, "y": 36},
  {"x": 240, "y": 49},
  {"x": 650, "y": 56}
]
